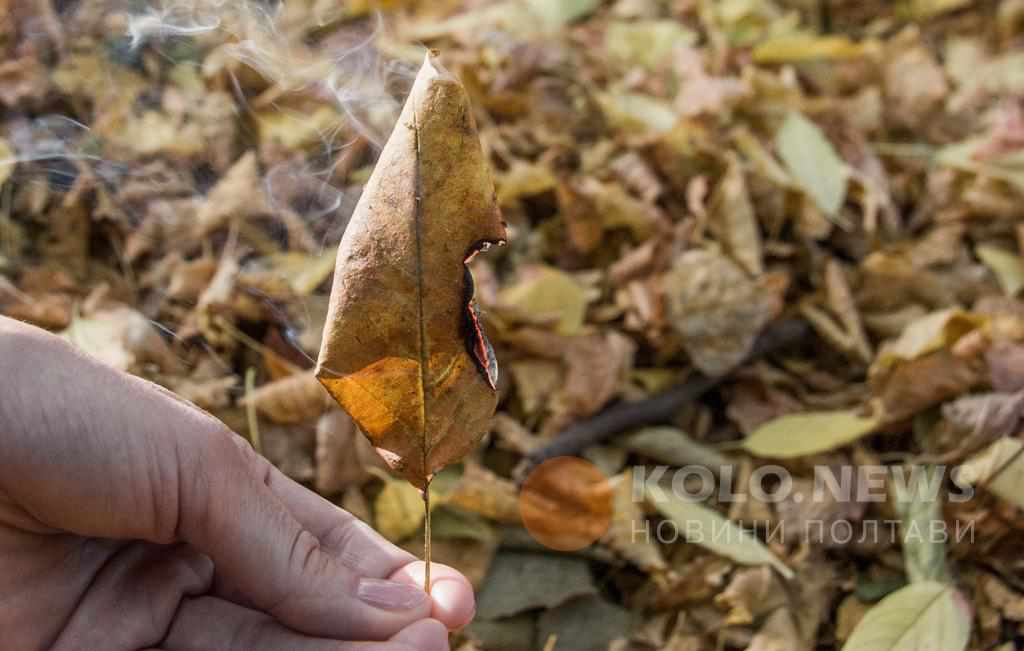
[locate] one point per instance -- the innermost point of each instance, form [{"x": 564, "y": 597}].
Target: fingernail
[{"x": 390, "y": 595}]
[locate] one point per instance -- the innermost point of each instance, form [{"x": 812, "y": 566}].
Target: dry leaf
[
  {"x": 123, "y": 338},
  {"x": 547, "y": 295},
  {"x": 401, "y": 351},
  {"x": 344, "y": 457},
  {"x": 798, "y": 435},
  {"x": 293, "y": 399},
  {"x": 813, "y": 162},
  {"x": 926, "y": 615},
  {"x": 734, "y": 222},
  {"x": 696, "y": 522},
  {"x": 628, "y": 518},
  {"x": 716, "y": 308}
]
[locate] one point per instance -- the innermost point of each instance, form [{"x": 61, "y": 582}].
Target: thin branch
[{"x": 661, "y": 407}]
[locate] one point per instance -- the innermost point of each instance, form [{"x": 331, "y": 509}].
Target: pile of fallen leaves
[{"x": 678, "y": 178}]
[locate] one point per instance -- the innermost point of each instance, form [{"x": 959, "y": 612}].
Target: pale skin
[{"x": 130, "y": 520}]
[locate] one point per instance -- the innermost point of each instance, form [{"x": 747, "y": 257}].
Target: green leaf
[
  {"x": 813, "y": 162},
  {"x": 557, "y": 13},
  {"x": 925, "y": 616},
  {"x": 584, "y": 624},
  {"x": 710, "y": 529},
  {"x": 519, "y": 581},
  {"x": 1007, "y": 267},
  {"x": 673, "y": 447},
  {"x": 919, "y": 505},
  {"x": 799, "y": 435},
  {"x": 646, "y": 42}
]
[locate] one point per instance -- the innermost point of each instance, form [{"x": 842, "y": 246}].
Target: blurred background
[{"x": 741, "y": 232}]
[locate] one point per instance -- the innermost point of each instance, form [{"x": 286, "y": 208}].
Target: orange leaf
[{"x": 402, "y": 352}]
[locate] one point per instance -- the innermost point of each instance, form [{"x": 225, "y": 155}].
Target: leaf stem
[{"x": 426, "y": 538}]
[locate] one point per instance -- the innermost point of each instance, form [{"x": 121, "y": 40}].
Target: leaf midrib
[{"x": 419, "y": 291}]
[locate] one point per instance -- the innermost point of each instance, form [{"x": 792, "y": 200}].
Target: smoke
[{"x": 145, "y": 70}]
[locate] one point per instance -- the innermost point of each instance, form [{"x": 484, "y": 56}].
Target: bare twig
[{"x": 660, "y": 407}]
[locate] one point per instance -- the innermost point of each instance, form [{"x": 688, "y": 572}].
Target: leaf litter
[{"x": 677, "y": 180}]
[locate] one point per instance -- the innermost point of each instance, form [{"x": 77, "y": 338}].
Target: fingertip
[
  {"x": 424, "y": 635},
  {"x": 454, "y": 603}
]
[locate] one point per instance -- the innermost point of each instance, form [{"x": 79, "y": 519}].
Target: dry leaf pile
[{"x": 678, "y": 178}]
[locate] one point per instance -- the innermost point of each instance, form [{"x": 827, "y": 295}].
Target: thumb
[{"x": 103, "y": 454}]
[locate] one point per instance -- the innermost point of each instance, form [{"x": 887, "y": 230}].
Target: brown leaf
[
  {"x": 293, "y": 399},
  {"x": 395, "y": 353},
  {"x": 597, "y": 365},
  {"x": 716, "y": 308},
  {"x": 343, "y": 456}
]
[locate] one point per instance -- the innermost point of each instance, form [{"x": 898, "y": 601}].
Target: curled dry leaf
[{"x": 402, "y": 351}]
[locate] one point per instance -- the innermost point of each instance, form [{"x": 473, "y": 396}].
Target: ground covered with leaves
[{"x": 742, "y": 234}]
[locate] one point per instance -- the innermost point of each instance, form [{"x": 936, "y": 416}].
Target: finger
[
  {"x": 210, "y": 623},
  {"x": 357, "y": 545},
  {"x": 131, "y": 602},
  {"x": 281, "y": 567},
  {"x": 349, "y": 539},
  {"x": 454, "y": 604},
  {"x": 118, "y": 457}
]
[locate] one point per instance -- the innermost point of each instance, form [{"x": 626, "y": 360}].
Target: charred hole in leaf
[{"x": 477, "y": 344}]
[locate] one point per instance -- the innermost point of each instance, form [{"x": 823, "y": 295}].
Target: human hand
[{"x": 131, "y": 520}]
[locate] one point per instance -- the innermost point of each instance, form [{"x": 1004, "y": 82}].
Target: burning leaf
[
  {"x": 926, "y": 615},
  {"x": 813, "y": 162},
  {"x": 403, "y": 353}
]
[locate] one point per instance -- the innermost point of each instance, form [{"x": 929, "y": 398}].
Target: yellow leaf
[
  {"x": 399, "y": 510},
  {"x": 1007, "y": 267},
  {"x": 1000, "y": 468},
  {"x": 634, "y": 112},
  {"x": 302, "y": 272},
  {"x": 813, "y": 162},
  {"x": 797, "y": 47},
  {"x": 7, "y": 160},
  {"x": 799, "y": 435},
  {"x": 927, "y": 334},
  {"x": 548, "y": 294}
]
